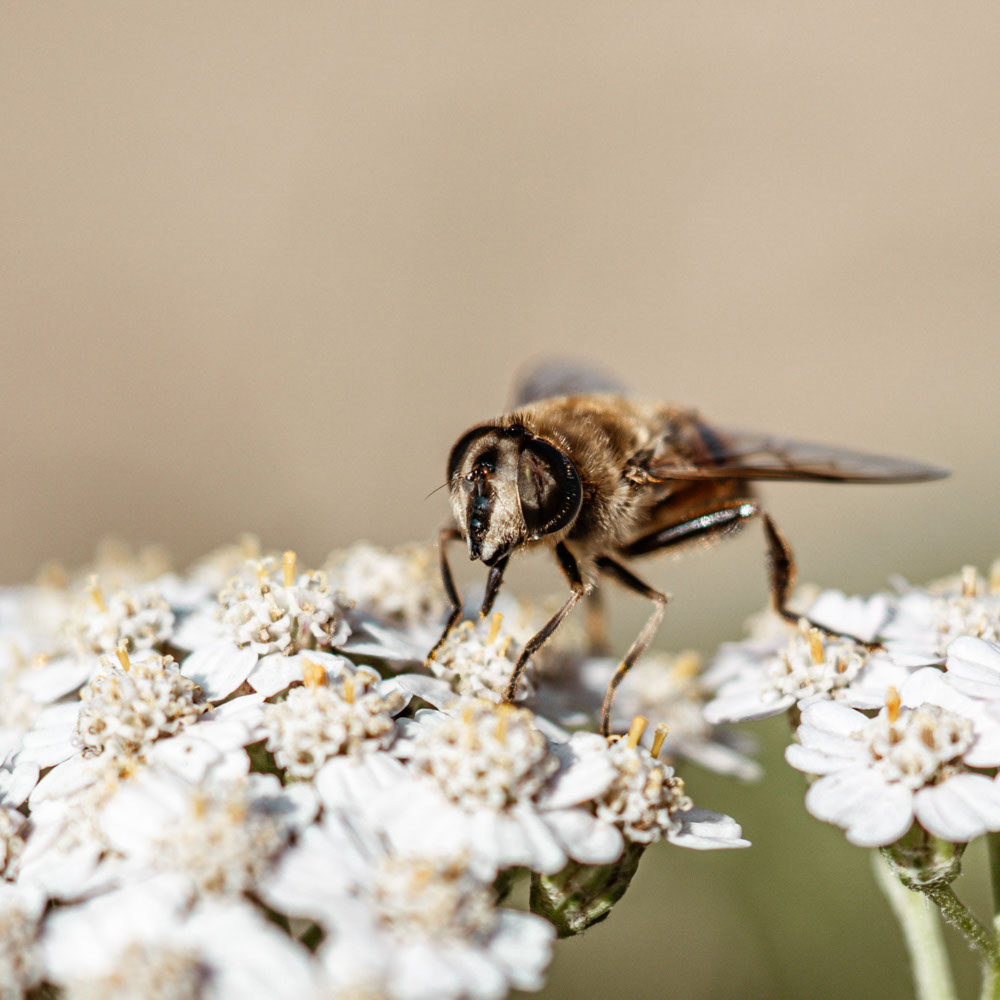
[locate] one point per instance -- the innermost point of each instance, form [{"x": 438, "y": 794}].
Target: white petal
[
  {"x": 707, "y": 831},
  {"x": 433, "y": 690},
  {"x": 388, "y": 644},
  {"x": 249, "y": 957},
  {"x": 60, "y": 874},
  {"x": 51, "y": 740},
  {"x": 974, "y": 667},
  {"x": 963, "y": 807},
  {"x": 274, "y": 672},
  {"x": 546, "y": 853},
  {"x": 584, "y": 837},
  {"x": 858, "y": 616},
  {"x": 744, "y": 705},
  {"x": 344, "y": 781},
  {"x": 58, "y": 677},
  {"x": 815, "y": 761},
  {"x": 522, "y": 946},
  {"x": 833, "y": 718},
  {"x": 873, "y": 811},
  {"x": 16, "y": 783},
  {"x": 582, "y": 778},
  {"x": 219, "y": 669}
]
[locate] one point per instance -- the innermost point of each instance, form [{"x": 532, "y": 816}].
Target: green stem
[
  {"x": 993, "y": 850},
  {"x": 932, "y": 977},
  {"x": 991, "y": 980},
  {"x": 960, "y": 916}
]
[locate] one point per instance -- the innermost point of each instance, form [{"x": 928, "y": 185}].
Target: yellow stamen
[
  {"x": 313, "y": 674},
  {"x": 815, "y": 646},
  {"x": 505, "y": 644},
  {"x": 659, "y": 735},
  {"x": 261, "y": 572},
  {"x": 288, "y": 567},
  {"x": 349, "y": 688},
  {"x": 122, "y": 653},
  {"x": 95, "y": 594},
  {"x": 995, "y": 577},
  {"x": 636, "y": 730},
  {"x": 686, "y": 665},
  {"x": 892, "y": 703},
  {"x": 494, "y": 628},
  {"x": 504, "y": 713},
  {"x": 969, "y": 581}
]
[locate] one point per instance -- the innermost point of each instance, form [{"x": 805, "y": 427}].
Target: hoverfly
[{"x": 583, "y": 468}]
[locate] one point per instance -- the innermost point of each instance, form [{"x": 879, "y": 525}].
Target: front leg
[
  {"x": 571, "y": 569},
  {"x": 446, "y": 535}
]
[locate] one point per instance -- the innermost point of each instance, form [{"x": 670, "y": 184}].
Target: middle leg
[{"x": 630, "y": 581}]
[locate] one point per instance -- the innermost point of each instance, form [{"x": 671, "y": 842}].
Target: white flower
[
  {"x": 484, "y": 782},
  {"x": 145, "y": 942},
  {"x": 810, "y": 667},
  {"x": 67, "y": 839},
  {"x": 137, "y": 619},
  {"x": 348, "y": 712},
  {"x": 264, "y": 625},
  {"x": 911, "y": 761},
  {"x": 478, "y": 659},
  {"x": 401, "y": 586},
  {"x": 132, "y": 702},
  {"x": 648, "y": 801},
  {"x": 927, "y": 620},
  {"x": 222, "y": 834},
  {"x": 407, "y": 927}
]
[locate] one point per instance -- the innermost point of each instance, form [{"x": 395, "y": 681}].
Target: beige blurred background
[{"x": 262, "y": 263}]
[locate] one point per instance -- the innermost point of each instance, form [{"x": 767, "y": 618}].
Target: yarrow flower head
[
  {"x": 488, "y": 755},
  {"x": 478, "y": 658},
  {"x": 221, "y": 834},
  {"x": 927, "y": 620},
  {"x": 406, "y": 927},
  {"x": 277, "y": 612},
  {"x": 132, "y": 701},
  {"x": 139, "y": 619},
  {"x": 264, "y": 624},
  {"x": 199, "y": 779},
  {"x": 646, "y": 794},
  {"x": 351, "y": 711},
  {"x": 399, "y": 586},
  {"x": 913, "y": 760},
  {"x": 810, "y": 666}
]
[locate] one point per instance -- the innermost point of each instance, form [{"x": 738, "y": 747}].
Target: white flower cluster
[
  {"x": 902, "y": 727},
  {"x": 203, "y": 795}
]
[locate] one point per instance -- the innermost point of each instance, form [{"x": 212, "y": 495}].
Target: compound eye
[
  {"x": 548, "y": 488},
  {"x": 463, "y": 446}
]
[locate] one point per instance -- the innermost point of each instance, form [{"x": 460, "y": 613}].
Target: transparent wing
[
  {"x": 743, "y": 455},
  {"x": 556, "y": 377}
]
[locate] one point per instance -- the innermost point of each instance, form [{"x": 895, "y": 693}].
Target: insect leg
[
  {"x": 446, "y": 535},
  {"x": 493, "y": 582},
  {"x": 631, "y": 582},
  {"x": 597, "y": 625},
  {"x": 568, "y": 564},
  {"x": 714, "y": 524}
]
